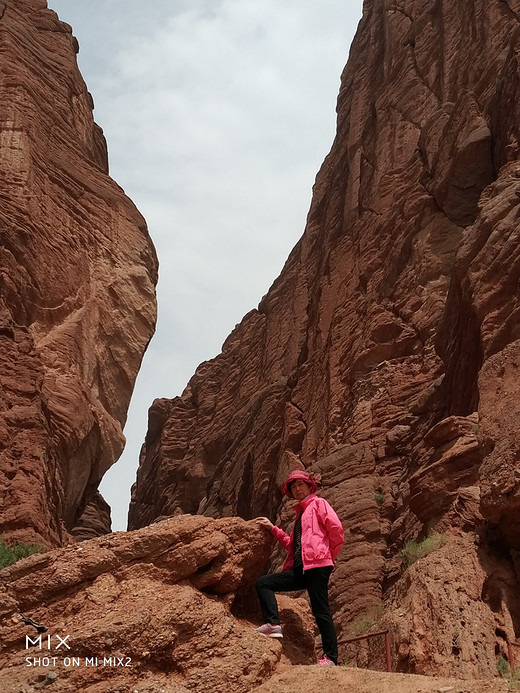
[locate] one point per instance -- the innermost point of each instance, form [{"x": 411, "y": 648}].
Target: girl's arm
[{"x": 282, "y": 537}]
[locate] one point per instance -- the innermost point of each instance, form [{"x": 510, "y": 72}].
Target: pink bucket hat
[{"x": 299, "y": 474}]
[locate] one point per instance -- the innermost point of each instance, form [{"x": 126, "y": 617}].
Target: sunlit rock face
[
  {"x": 164, "y": 608},
  {"x": 386, "y": 354},
  {"x": 77, "y": 296}
]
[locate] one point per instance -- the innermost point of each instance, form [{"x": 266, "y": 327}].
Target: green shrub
[
  {"x": 13, "y": 553},
  {"x": 514, "y": 680},
  {"x": 414, "y": 550},
  {"x": 361, "y": 626},
  {"x": 380, "y": 497},
  {"x": 368, "y": 621},
  {"x": 502, "y": 666}
]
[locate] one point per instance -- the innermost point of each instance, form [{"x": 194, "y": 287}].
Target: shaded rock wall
[
  {"x": 95, "y": 520},
  {"x": 77, "y": 276},
  {"x": 386, "y": 353}
]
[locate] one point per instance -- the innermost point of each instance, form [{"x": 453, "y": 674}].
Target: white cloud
[{"x": 218, "y": 114}]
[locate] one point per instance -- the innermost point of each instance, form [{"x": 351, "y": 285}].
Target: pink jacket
[{"x": 322, "y": 534}]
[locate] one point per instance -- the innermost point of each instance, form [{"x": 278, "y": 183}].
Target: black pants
[{"x": 316, "y": 582}]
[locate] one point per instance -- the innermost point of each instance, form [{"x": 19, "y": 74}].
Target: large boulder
[{"x": 172, "y": 602}]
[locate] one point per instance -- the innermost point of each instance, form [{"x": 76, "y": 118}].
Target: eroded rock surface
[
  {"x": 453, "y": 611},
  {"x": 77, "y": 276},
  {"x": 386, "y": 353},
  {"x": 95, "y": 521},
  {"x": 168, "y": 601},
  {"x": 169, "y": 609}
]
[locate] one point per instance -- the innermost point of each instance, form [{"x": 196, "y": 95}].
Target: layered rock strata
[
  {"x": 386, "y": 353},
  {"x": 168, "y": 602},
  {"x": 95, "y": 521},
  {"x": 167, "y": 609},
  {"x": 77, "y": 277}
]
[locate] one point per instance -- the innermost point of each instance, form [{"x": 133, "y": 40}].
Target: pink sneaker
[
  {"x": 326, "y": 662},
  {"x": 270, "y": 630}
]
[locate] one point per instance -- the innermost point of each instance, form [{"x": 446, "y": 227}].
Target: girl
[{"x": 314, "y": 543}]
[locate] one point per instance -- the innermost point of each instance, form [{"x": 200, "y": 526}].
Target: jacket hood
[{"x": 299, "y": 474}]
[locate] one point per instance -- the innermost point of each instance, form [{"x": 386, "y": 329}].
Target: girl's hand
[{"x": 264, "y": 522}]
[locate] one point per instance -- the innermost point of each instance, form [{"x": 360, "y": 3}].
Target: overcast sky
[{"x": 218, "y": 115}]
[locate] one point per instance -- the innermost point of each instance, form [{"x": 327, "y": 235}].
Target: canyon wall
[
  {"x": 386, "y": 354},
  {"x": 168, "y": 609},
  {"x": 77, "y": 284}
]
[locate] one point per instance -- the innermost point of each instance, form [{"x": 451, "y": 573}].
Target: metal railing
[
  {"x": 388, "y": 652},
  {"x": 510, "y": 655}
]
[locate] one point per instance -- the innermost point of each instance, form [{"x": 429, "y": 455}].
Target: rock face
[
  {"x": 167, "y": 609},
  {"x": 164, "y": 601},
  {"x": 454, "y": 611},
  {"x": 77, "y": 277},
  {"x": 95, "y": 521},
  {"x": 387, "y": 352}
]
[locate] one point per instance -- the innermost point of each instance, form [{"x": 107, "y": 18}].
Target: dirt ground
[{"x": 310, "y": 679}]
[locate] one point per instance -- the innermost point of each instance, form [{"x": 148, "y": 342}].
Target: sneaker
[
  {"x": 271, "y": 630},
  {"x": 326, "y": 662}
]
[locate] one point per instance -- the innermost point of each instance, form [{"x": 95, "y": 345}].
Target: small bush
[
  {"x": 380, "y": 497},
  {"x": 514, "y": 680},
  {"x": 362, "y": 626},
  {"x": 414, "y": 550},
  {"x": 502, "y": 666},
  {"x": 369, "y": 620},
  {"x": 13, "y": 553}
]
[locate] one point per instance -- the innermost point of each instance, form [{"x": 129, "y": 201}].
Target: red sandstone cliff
[
  {"x": 387, "y": 352},
  {"x": 168, "y": 609},
  {"x": 77, "y": 276}
]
